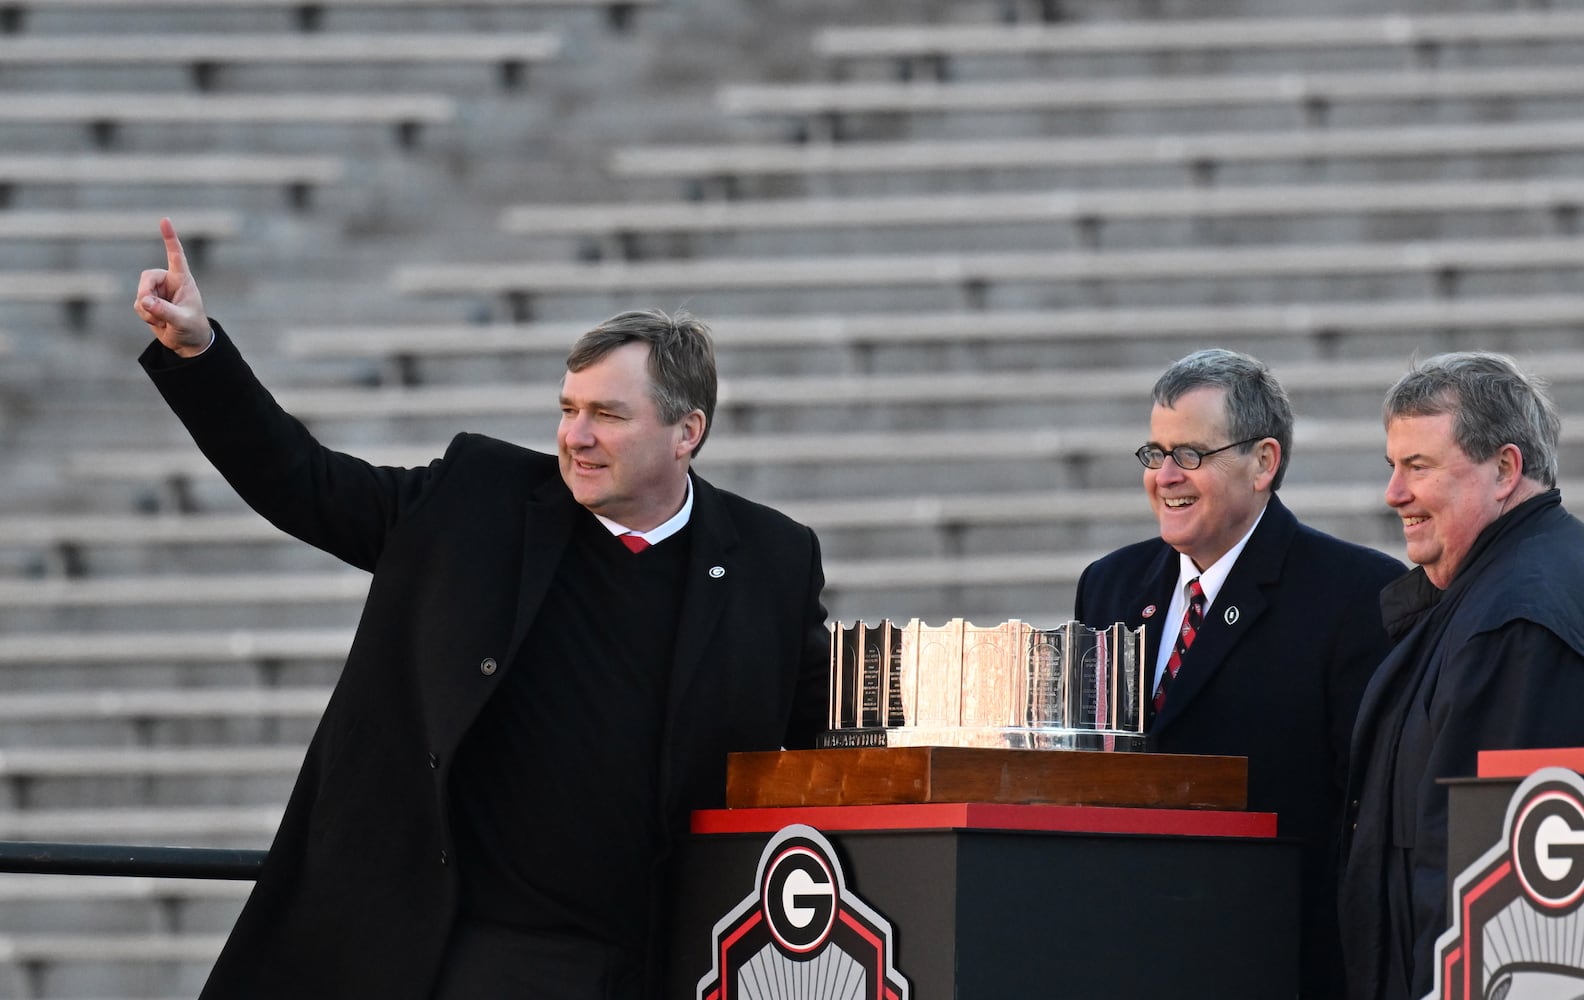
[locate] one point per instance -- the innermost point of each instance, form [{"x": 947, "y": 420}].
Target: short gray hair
[
  {"x": 1493, "y": 403},
  {"x": 1256, "y": 404},
  {"x": 682, "y": 375}
]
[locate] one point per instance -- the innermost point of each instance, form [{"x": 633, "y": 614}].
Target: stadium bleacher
[{"x": 945, "y": 248}]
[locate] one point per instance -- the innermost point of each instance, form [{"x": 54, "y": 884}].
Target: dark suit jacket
[
  {"x": 358, "y": 891},
  {"x": 1275, "y": 675}
]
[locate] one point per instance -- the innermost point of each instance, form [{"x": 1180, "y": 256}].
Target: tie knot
[
  {"x": 634, "y": 543},
  {"x": 1195, "y": 592}
]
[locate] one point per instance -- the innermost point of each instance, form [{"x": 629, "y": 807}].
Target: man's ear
[
  {"x": 1267, "y": 453},
  {"x": 1509, "y": 470},
  {"x": 692, "y": 432}
]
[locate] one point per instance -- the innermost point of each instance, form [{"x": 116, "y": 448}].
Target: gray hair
[
  {"x": 682, "y": 374},
  {"x": 1256, "y": 404},
  {"x": 1493, "y": 403}
]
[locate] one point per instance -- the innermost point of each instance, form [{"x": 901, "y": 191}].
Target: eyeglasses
[{"x": 1153, "y": 456}]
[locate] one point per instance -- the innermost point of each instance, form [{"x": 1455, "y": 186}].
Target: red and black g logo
[
  {"x": 801, "y": 935},
  {"x": 799, "y": 896},
  {"x": 1548, "y": 848}
]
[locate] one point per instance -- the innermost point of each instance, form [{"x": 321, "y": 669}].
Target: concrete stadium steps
[
  {"x": 161, "y": 716},
  {"x": 1229, "y": 156},
  {"x": 1006, "y": 399},
  {"x": 904, "y": 341},
  {"x": 960, "y": 437}
]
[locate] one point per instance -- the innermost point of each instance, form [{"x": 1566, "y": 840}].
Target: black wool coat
[
  {"x": 1494, "y": 662},
  {"x": 358, "y": 891},
  {"x": 1275, "y": 674}
]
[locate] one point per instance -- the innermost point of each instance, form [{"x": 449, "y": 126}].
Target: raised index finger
[{"x": 175, "y": 256}]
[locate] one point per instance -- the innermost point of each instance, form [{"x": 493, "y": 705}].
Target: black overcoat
[
  {"x": 1275, "y": 675},
  {"x": 1494, "y": 662},
  {"x": 358, "y": 892}
]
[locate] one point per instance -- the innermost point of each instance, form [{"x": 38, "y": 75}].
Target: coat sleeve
[
  {"x": 328, "y": 499},
  {"x": 1358, "y": 649},
  {"x": 1516, "y": 686},
  {"x": 811, "y": 702}
]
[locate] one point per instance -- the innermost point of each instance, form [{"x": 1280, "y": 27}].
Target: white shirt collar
[
  {"x": 1210, "y": 580},
  {"x": 654, "y": 536},
  {"x": 1214, "y": 575}
]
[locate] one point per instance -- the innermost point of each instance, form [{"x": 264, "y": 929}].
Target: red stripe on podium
[
  {"x": 992, "y": 816},
  {"x": 1522, "y": 763}
]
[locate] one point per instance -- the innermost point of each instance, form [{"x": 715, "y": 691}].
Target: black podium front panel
[{"x": 987, "y": 914}]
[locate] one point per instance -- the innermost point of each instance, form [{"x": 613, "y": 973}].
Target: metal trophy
[{"x": 1010, "y": 685}]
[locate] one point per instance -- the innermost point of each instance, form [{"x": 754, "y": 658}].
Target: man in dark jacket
[
  {"x": 556, "y": 655},
  {"x": 1287, "y": 633},
  {"x": 1490, "y": 646}
]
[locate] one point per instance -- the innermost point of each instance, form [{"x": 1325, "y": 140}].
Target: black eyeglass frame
[{"x": 1182, "y": 451}]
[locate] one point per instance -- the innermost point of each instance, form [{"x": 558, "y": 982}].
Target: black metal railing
[{"x": 118, "y": 859}]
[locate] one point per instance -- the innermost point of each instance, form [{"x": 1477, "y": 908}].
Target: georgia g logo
[
  {"x": 799, "y": 898},
  {"x": 801, "y": 935},
  {"x": 1517, "y": 929},
  {"x": 1548, "y": 848}
]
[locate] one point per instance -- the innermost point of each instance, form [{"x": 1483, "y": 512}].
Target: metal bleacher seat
[
  {"x": 296, "y": 175},
  {"x": 624, "y": 223},
  {"x": 511, "y": 52},
  {"x": 322, "y": 109},
  {"x": 188, "y": 645},
  {"x": 73, "y": 290},
  {"x": 1414, "y": 31},
  {"x": 27, "y": 6},
  {"x": 973, "y": 273},
  {"x": 1302, "y": 91},
  {"x": 740, "y": 335},
  {"x": 878, "y": 391},
  {"x": 92, "y": 224},
  {"x": 58, "y": 286},
  {"x": 218, "y": 826},
  {"x": 1188, "y": 151}
]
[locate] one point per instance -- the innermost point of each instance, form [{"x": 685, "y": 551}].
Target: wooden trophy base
[{"x": 907, "y": 775}]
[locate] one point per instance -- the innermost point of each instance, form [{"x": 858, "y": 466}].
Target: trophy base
[
  {"x": 899, "y": 775},
  {"x": 1008, "y": 737}
]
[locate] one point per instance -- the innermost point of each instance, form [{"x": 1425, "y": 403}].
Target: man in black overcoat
[
  {"x": 556, "y": 654},
  {"x": 1289, "y": 630},
  {"x": 1489, "y": 628}
]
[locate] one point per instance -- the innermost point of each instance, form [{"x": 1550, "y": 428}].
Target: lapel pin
[
  {"x": 1231, "y": 615},
  {"x": 1149, "y": 612},
  {"x": 716, "y": 572}
]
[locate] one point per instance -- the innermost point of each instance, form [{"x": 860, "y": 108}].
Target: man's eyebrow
[{"x": 614, "y": 405}]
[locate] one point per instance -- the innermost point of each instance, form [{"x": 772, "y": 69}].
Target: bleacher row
[{"x": 945, "y": 253}]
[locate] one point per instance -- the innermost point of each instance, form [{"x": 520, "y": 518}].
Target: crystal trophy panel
[{"x": 1008, "y": 685}]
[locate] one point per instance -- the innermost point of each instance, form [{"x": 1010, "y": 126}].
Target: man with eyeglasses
[{"x": 1262, "y": 632}]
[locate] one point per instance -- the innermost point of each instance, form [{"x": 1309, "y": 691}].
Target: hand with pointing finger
[{"x": 168, "y": 300}]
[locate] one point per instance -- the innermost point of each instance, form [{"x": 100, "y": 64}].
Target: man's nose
[
  {"x": 575, "y": 432},
  {"x": 1170, "y": 471},
  {"x": 1397, "y": 494}
]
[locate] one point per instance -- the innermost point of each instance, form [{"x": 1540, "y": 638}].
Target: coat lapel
[
  {"x": 704, "y": 591},
  {"x": 549, "y": 517},
  {"x": 1154, "y": 609},
  {"x": 1240, "y": 603}
]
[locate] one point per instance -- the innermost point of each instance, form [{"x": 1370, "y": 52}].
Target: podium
[{"x": 1072, "y": 891}]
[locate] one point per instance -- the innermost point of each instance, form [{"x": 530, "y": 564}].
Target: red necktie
[
  {"x": 1192, "y": 619},
  {"x": 635, "y": 543}
]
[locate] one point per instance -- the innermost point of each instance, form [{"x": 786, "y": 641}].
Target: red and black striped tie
[{"x": 1192, "y": 619}]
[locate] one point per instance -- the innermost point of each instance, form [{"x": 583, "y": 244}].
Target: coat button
[
  {"x": 442, "y": 857},
  {"x": 434, "y": 760},
  {"x": 487, "y": 667}
]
